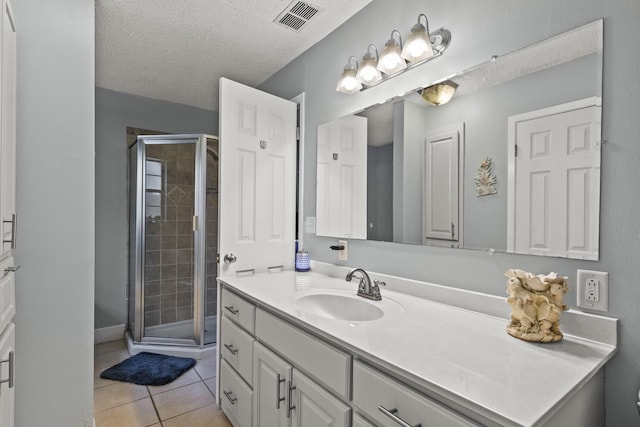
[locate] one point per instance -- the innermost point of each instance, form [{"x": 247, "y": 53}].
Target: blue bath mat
[{"x": 149, "y": 369}]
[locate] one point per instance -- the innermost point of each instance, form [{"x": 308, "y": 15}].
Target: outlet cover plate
[
  {"x": 343, "y": 255},
  {"x": 593, "y": 290}
]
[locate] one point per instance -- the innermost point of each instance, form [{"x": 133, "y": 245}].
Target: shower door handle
[{"x": 230, "y": 259}]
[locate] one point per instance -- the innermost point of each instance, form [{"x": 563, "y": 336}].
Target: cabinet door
[
  {"x": 7, "y": 347},
  {"x": 315, "y": 407},
  {"x": 271, "y": 375},
  {"x": 8, "y": 129}
]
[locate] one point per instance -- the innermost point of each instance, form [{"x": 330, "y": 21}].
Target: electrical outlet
[
  {"x": 593, "y": 290},
  {"x": 342, "y": 254}
]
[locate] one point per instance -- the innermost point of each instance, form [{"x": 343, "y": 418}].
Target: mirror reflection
[{"x": 450, "y": 175}]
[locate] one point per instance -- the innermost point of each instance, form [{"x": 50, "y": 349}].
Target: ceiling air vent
[{"x": 297, "y": 15}]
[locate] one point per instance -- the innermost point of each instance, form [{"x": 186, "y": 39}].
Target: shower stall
[{"x": 173, "y": 244}]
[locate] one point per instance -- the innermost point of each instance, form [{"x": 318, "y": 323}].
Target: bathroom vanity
[{"x": 302, "y": 349}]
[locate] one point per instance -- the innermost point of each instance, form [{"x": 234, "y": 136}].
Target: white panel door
[
  {"x": 271, "y": 375},
  {"x": 316, "y": 407},
  {"x": 557, "y": 184},
  {"x": 8, "y": 132},
  {"x": 257, "y": 180},
  {"x": 441, "y": 207},
  {"x": 342, "y": 178}
]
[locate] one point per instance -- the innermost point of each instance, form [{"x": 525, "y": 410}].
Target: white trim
[
  {"x": 110, "y": 333},
  {"x": 512, "y": 123},
  {"x": 300, "y": 100}
]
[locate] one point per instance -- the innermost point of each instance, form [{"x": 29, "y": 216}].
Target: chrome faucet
[{"x": 365, "y": 288}]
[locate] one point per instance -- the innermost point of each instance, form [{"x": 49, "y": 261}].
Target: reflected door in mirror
[{"x": 341, "y": 205}]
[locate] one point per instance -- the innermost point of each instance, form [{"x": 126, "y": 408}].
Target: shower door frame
[{"x": 199, "y": 238}]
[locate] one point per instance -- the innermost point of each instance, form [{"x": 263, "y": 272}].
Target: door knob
[{"x": 230, "y": 259}]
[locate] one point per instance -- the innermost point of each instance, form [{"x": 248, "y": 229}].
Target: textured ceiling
[{"x": 177, "y": 50}]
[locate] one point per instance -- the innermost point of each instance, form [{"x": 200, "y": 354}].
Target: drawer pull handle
[
  {"x": 289, "y": 407},
  {"x": 230, "y": 397},
  {"x": 14, "y": 228},
  {"x": 232, "y": 350},
  {"x": 231, "y": 309},
  {"x": 391, "y": 413},
  {"x": 10, "y": 360},
  {"x": 279, "y": 380}
]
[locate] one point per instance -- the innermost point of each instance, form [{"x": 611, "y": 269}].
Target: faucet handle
[
  {"x": 378, "y": 282},
  {"x": 375, "y": 290}
]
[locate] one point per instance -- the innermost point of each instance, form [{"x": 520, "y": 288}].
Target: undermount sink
[{"x": 343, "y": 305}]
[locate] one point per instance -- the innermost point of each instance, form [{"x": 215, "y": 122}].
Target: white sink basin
[{"x": 343, "y": 305}]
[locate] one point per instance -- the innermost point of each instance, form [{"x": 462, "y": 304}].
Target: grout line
[{"x": 155, "y": 408}]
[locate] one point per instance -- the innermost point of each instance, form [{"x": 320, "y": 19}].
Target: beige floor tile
[
  {"x": 206, "y": 368},
  {"x": 106, "y": 360},
  {"x": 182, "y": 400},
  {"x": 134, "y": 414},
  {"x": 208, "y": 416},
  {"x": 109, "y": 346},
  {"x": 211, "y": 384},
  {"x": 117, "y": 394},
  {"x": 187, "y": 378}
]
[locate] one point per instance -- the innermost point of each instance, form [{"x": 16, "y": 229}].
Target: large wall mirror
[{"x": 511, "y": 163}]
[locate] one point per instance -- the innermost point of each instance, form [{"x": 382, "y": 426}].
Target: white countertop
[{"x": 464, "y": 356}]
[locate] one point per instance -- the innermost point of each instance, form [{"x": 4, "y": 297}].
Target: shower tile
[
  {"x": 211, "y": 278},
  {"x": 169, "y": 242},
  {"x": 184, "y": 299},
  {"x": 152, "y": 228},
  {"x": 168, "y": 228},
  {"x": 169, "y": 257},
  {"x": 185, "y": 285},
  {"x": 152, "y": 318},
  {"x": 152, "y": 273},
  {"x": 152, "y": 289},
  {"x": 168, "y": 272},
  {"x": 185, "y": 256},
  {"x": 211, "y": 309},
  {"x": 167, "y": 302},
  {"x": 184, "y": 213},
  {"x": 184, "y": 270},
  {"x": 153, "y": 243},
  {"x": 168, "y": 287},
  {"x": 168, "y": 315},
  {"x": 151, "y": 303},
  {"x": 184, "y": 227},
  {"x": 171, "y": 213},
  {"x": 152, "y": 257},
  {"x": 184, "y": 313},
  {"x": 185, "y": 242}
]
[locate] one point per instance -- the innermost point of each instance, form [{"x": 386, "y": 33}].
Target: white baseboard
[{"x": 111, "y": 333}]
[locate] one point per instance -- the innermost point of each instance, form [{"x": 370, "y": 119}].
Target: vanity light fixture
[
  {"x": 349, "y": 82},
  {"x": 420, "y": 47},
  {"x": 439, "y": 93},
  {"x": 418, "y": 44},
  {"x": 368, "y": 72},
  {"x": 391, "y": 61}
]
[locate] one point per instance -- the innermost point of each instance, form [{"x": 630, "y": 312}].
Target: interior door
[
  {"x": 557, "y": 181},
  {"x": 441, "y": 208},
  {"x": 342, "y": 178},
  {"x": 257, "y": 180}
]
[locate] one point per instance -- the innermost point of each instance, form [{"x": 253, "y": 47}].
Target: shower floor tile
[{"x": 188, "y": 401}]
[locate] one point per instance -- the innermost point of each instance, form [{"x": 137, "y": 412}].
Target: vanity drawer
[
  {"x": 241, "y": 311},
  {"x": 373, "y": 390},
  {"x": 237, "y": 349},
  {"x": 7, "y": 293},
  {"x": 236, "y": 398},
  {"x": 358, "y": 421},
  {"x": 325, "y": 363}
]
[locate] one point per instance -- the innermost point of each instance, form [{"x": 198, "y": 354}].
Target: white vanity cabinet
[
  {"x": 390, "y": 403},
  {"x": 271, "y": 380}
]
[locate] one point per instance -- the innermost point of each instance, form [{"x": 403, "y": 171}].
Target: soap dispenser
[{"x": 303, "y": 261}]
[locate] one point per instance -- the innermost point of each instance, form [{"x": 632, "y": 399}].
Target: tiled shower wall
[{"x": 169, "y": 237}]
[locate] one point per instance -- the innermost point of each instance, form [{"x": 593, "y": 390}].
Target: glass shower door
[{"x": 169, "y": 176}]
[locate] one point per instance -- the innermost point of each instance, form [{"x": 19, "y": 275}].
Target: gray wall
[
  {"x": 55, "y": 206},
  {"x": 115, "y": 111},
  {"x": 380, "y": 192},
  {"x": 505, "y": 25}
]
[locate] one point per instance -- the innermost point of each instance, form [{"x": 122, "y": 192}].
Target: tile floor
[{"x": 188, "y": 401}]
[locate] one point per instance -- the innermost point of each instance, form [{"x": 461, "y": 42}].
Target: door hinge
[
  {"x": 195, "y": 223},
  {"x": 298, "y": 133}
]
